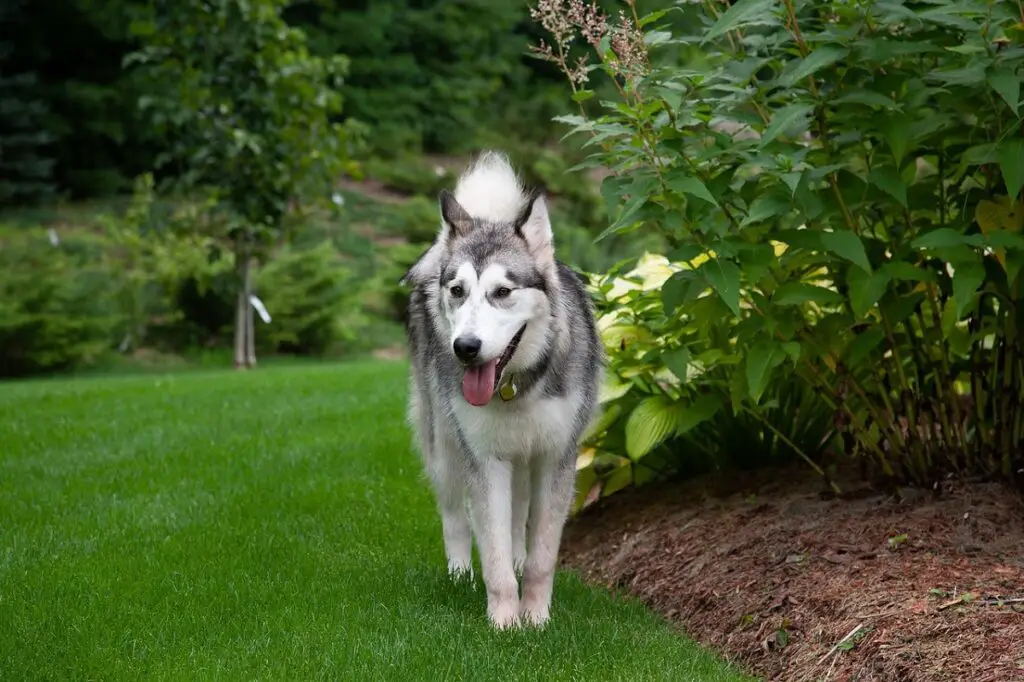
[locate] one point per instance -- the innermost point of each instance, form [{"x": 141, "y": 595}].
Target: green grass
[{"x": 262, "y": 525}]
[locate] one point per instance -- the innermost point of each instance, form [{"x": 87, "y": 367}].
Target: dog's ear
[
  {"x": 455, "y": 218},
  {"x": 534, "y": 226},
  {"x": 420, "y": 271}
]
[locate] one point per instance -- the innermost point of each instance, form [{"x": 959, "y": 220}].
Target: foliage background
[{"x": 827, "y": 194}]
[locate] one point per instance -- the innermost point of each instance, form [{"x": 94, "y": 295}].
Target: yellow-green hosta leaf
[
  {"x": 617, "y": 480},
  {"x": 585, "y": 458},
  {"x": 612, "y": 389},
  {"x": 601, "y": 424},
  {"x": 586, "y": 479},
  {"x": 618, "y": 334},
  {"x": 649, "y": 424},
  {"x": 656, "y": 418}
]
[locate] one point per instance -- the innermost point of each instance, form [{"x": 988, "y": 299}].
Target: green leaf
[
  {"x": 741, "y": 14},
  {"x": 682, "y": 287},
  {"x": 685, "y": 253},
  {"x": 755, "y": 259},
  {"x": 650, "y": 423},
  {"x": 724, "y": 278},
  {"x": 896, "y": 129},
  {"x": 690, "y": 185},
  {"x": 608, "y": 417},
  {"x": 903, "y": 307},
  {"x": 617, "y": 480},
  {"x": 862, "y": 344},
  {"x": 908, "y": 272},
  {"x": 818, "y": 59},
  {"x": 1014, "y": 263},
  {"x": 1011, "y": 162},
  {"x": 696, "y": 413},
  {"x": 784, "y": 119},
  {"x": 793, "y": 349},
  {"x": 866, "y": 290},
  {"x": 796, "y": 293},
  {"x": 967, "y": 277},
  {"x": 766, "y": 206},
  {"x": 887, "y": 179},
  {"x": 847, "y": 245},
  {"x": 761, "y": 360},
  {"x": 792, "y": 180},
  {"x": 677, "y": 361},
  {"x": 1007, "y": 84},
  {"x": 582, "y": 95},
  {"x": 867, "y": 98},
  {"x": 942, "y": 238},
  {"x": 653, "y": 16}
]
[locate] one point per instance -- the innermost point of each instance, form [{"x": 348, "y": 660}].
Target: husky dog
[{"x": 506, "y": 362}]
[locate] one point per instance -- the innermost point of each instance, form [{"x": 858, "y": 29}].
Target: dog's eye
[
  {"x": 456, "y": 291},
  {"x": 502, "y": 292}
]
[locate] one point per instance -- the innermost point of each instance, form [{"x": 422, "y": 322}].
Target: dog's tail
[{"x": 490, "y": 189}]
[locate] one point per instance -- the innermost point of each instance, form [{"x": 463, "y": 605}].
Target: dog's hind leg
[
  {"x": 446, "y": 468},
  {"x": 491, "y": 497},
  {"x": 520, "y": 512},
  {"x": 552, "y": 481}
]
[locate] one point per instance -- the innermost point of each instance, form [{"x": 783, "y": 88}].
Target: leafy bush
[
  {"x": 311, "y": 298},
  {"x": 409, "y": 174},
  {"x": 56, "y": 308},
  {"x": 658, "y": 416},
  {"x": 843, "y": 180}
]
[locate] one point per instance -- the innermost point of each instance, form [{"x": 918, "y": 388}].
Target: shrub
[
  {"x": 843, "y": 180},
  {"x": 408, "y": 174},
  {"x": 311, "y": 298},
  {"x": 416, "y": 219},
  {"x": 658, "y": 416},
  {"x": 56, "y": 308}
]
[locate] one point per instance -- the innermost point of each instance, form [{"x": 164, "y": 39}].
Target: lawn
[{"x": 263, "y": 525}]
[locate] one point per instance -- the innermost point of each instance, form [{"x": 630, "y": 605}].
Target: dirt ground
[{"x": 799, "y": 586}]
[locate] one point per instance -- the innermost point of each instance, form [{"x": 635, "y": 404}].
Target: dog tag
[{"x": 508, "y": 390}]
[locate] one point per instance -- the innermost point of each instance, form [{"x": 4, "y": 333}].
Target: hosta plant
[{"x": 658, "y": 416}]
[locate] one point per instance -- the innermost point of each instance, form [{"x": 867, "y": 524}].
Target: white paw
[
  {"x": 460, "y": 573},
  {"x": 518, "y": 562},
  {"x": 535, "y": 615},
  {"x": 504, "y": 616}
]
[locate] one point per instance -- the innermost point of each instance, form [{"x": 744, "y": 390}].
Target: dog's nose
[{"x": 467, "y": 347}]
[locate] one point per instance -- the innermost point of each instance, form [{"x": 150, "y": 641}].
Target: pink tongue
[{"x": 478, "y": 384}]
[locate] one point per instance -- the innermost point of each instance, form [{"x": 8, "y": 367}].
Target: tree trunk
[
  {"x": 250, "y": 327},
  {"x": 240, "y": 306},
  {"x": 243, "y": 312}
]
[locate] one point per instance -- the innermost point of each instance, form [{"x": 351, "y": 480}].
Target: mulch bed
[{"x": 773, "y": 574}]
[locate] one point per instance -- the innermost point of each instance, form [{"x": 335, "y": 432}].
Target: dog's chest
[{"x": 542, "y": 427}]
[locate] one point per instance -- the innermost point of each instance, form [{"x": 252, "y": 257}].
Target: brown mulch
[{"x": 773, "y": 575}]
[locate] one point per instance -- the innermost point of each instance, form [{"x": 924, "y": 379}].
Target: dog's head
[{"x": 493, "y": 284}]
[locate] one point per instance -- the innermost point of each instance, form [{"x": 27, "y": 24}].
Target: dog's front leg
[
  {"x": 520, "y": 512},
  {"x": 552, "y": 482},
  {"x": 492, "y": 513},
  {"x": 445, "y": 469}
]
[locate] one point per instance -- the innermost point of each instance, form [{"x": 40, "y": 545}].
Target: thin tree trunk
[
  {"x": 240, "y": 331},
  {"x": 250, "y": 327},
  {"x": 242, "y": 307}
]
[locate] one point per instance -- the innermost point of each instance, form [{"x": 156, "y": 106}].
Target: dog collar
[{"x": 508, "y": 388}]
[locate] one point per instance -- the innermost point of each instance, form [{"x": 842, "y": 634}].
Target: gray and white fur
[{"x": 503, "y": 471}]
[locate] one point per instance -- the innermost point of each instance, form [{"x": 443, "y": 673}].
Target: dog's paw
[
  {"x": 460, "y": 573},
  {"x": 504, "y": 616},
  {"x": 535, "y": 615}
]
